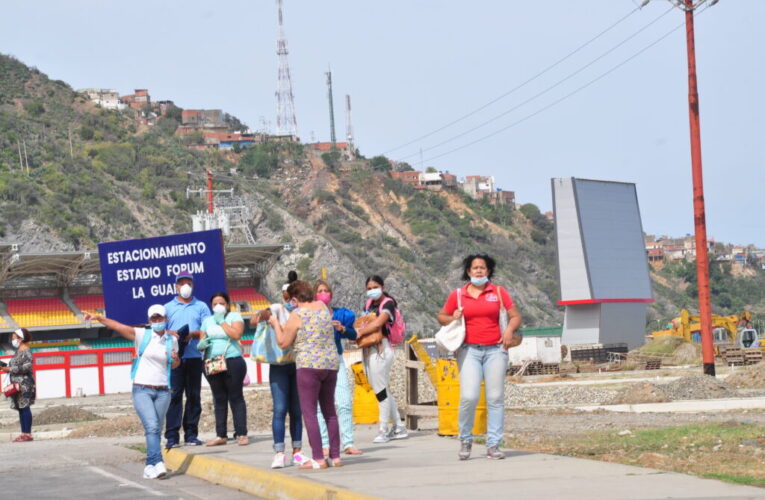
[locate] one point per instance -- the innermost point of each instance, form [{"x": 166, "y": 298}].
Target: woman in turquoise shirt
[{"x": 220, "y": 336}]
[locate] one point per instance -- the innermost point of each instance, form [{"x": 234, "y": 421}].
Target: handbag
[
  {"x": 11, "y": 388},
  {"x": 450, "y": 337},
  {"x": 504, "y": 320},
  {"x": 265, "y": 348},
  {"x": 370, "y": 339},
  {"x": 217, "y": 364}
]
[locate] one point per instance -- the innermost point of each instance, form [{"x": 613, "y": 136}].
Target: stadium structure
[{"x": 49, "y": 292}]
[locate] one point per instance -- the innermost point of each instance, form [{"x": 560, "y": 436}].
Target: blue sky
[{"x": 412, "y": 66}]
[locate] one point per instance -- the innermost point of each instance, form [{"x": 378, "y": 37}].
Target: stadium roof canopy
[{"x": 67, "y": 269}]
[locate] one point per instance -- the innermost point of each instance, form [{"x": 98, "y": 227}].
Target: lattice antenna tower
[
  {"x": 348, "y": 123},
  {"x": 332, "y": 136},
  {"x": 286, "y": 121}
]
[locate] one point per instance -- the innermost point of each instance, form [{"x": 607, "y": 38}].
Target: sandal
[
  {"x": 335, "y": 462},
  {"x": 352, "y": 450},
  {"x": 313, "y": 464},
  {"x": 242, "y": 441},
  {"x": 218, "y": 441}
]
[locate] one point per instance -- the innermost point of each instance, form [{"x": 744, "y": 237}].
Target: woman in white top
[{"x": 156, "y": 354}]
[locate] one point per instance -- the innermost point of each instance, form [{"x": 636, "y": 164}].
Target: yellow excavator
[{"x": 733, "y": 330}]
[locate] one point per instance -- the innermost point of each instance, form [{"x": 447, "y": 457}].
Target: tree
[
  {"x": 431, "y": 170},
  {"x": 331, "y": 159},
  {"x": 381, "y": 164}
]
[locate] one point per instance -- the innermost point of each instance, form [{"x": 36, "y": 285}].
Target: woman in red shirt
[{"x": 483, "y": 356}]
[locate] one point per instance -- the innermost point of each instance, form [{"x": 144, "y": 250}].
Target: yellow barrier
[
  {"x": 444, "y": 375},
  {"x": 365, "y": 407},
  {"x": 448, "y": 394}
]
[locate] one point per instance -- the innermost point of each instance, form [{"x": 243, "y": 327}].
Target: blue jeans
[
  {"x": 487, "y": 363},
  {"x": 284, "y": 391},
  {"x": 151, "y": 406},
  {"x": 25, "y": 418},
  {"x": 187, "y": 378}
]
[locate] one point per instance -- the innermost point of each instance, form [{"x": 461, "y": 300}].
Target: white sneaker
[
  {"x": 161, "y": 469},
  {"x": 150, "y": 472},
  {"x": 299, "y": 459},
  {"x": 400, "y": 433},
  {"x": 279, "y": 461},
  {"x": 383, "y": 437}
]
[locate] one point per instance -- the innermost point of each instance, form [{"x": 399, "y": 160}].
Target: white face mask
[
  {"x": 219, "y": 309},
  {"x": 186, "y": 291},
  {"x": 15, "y": 343}
]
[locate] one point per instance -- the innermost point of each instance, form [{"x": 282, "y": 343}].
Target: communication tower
[
  {"x": 348, "y": 123},
  {"x": 286, "y": 121}
]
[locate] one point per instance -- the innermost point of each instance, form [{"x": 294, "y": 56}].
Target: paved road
[{"x": 93, "y": 468}]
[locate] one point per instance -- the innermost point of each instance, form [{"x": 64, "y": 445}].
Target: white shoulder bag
[{"x": 450, "y": 337}]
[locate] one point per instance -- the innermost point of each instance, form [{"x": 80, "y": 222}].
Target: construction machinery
[{"x": 734, "y": 330}]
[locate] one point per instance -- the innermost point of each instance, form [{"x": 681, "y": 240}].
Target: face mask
[
  {"x": 289, "y": 306},
  {"x": 325, "y": 297},
  {"x": 374, "y": 293},
  {"x": 186, "y": 291},
  {"x": 479, "y": 281},
  {"x": 15, "y": 343},
  {"x": 219, "y": 309},
  {"x": 158, "y": 327}
]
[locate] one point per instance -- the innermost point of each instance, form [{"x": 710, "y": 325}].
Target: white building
[{"x": 106, "y": 98}]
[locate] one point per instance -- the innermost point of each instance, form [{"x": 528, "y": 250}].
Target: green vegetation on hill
[{"x": 81, "y": 175}]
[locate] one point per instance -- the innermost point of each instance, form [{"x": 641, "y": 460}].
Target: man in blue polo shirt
[{"x": 186, "y": 310}]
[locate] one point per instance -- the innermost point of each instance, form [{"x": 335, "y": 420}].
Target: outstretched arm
[{"x": 126, "y": 331}]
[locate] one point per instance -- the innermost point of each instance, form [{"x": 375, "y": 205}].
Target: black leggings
[{"x": 227, "y": 390}]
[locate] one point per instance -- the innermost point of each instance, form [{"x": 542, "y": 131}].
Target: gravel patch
[
  {"x": 64, "y": 415},
  {"x": 696, "y": 387}
]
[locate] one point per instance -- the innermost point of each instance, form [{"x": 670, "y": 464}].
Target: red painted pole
[
  {"x": 699, "y": 215},
  {"x": 210, "y": 206}
]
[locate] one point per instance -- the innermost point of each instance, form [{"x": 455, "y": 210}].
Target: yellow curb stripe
[{"x": 265, "y": 484}]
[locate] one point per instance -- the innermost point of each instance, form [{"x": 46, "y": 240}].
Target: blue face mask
[
  {"x": 158, "y": 327},
  {"x": 479, "y": 281},
  {"x": 289, "y": 306},
  {"x": 374, "y": 293}
]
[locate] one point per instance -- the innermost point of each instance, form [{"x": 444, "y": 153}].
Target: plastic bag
[{"x": 265, "y": 349}]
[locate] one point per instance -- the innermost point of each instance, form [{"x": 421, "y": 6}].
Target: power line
[
  {"x": 518, "y": 87},
  {"x": 546, "y": 90},
  {"x": 558, "y": 101}
]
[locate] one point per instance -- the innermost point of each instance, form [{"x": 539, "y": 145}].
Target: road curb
[{"x": 263, "y": 483}]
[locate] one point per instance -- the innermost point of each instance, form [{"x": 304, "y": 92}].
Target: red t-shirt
[{"x": 481, "y": 314}]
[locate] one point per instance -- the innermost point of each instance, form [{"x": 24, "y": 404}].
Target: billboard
[
  {"x": 601, "y": 253},
  {"x": 139, "y": 273}
]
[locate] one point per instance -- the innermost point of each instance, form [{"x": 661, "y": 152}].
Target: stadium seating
[
  {"x": 40, "y": 312},
  {"x": 109, "y": 343},
  {"x": 3, "y": 323},
  {"x": 55, "y": 349},
  {"x": 90, "y": 303},
  {"x": 255, "y": 300}
]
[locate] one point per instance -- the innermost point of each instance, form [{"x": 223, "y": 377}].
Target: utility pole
[
  {"x": 210, "y": 206},
  {"x": 333, "y": 138},
  {"x": 699, "y": 212}
]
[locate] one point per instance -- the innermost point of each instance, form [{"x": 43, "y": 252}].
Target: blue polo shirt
[{"x": 192, "y": 314}]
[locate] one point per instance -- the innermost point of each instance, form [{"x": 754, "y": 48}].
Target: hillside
[{"x": 72, "y": 175}]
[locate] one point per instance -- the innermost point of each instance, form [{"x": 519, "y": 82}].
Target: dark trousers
[
  {"x": 227, "y": 390},
  {"x": 283, "y": 382},
  {"x": 319, "y": 386},
  {"x": 187, "y": 378},
  {"x": 25, "y": 418}
]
